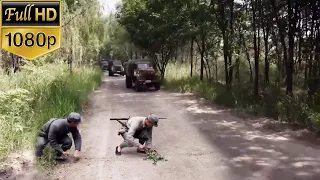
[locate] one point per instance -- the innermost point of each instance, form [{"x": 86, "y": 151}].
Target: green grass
[
  {"x": 272, "y": 102},
  {"x": 31, "y": 97}
]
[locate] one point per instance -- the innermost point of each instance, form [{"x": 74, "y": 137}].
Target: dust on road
[{"x": 199, "y": 141}]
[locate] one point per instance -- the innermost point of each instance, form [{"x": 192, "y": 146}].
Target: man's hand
[
  {"x": 141, "y": 148},
  {"x": 76, "y": 155},
  {"x": 65, "y": 153}
]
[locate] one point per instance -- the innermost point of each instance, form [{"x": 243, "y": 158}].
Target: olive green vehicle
[{"x": 142, "y": 73}]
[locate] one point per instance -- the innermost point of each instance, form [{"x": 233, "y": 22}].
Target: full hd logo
[{"x": 31, "y": 28}]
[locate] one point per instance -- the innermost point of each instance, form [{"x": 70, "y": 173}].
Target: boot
[
  {"x": 141, "y": 151},
  {"x": 118, "y": 153}
]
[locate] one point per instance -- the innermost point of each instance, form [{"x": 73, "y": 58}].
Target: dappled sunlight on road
[
  {"x": 268, "y": 137},
  {"x": 180, "y": 94},
  {"x": 196, "y": 109},
  {"x": 129, "y": 94},
  {"x": 263, "y": 154}
]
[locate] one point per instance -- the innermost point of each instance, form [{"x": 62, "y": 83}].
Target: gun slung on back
[
  {"x": 122, "y": 123},
  {"x": 121, "y": 131},
  {"x": 119, "y": 120},
  {"x": 116, "y": 119}
]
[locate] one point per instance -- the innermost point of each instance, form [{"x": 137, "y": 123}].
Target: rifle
[
  {"x": 122, "y": 123},
  {"x": 119, "y": 120},
  {"x": 125, "y": 119}
]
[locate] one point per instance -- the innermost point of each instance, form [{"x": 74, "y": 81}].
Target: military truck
[
  {"x": 104, "y": 64},
  {"x": 142, "y": 73},
  {"x": 115, "y": 66}
]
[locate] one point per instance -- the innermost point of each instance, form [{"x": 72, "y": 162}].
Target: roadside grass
[
  {"x": 31, "y": 97},
  {"x": 272, "y": 101}
]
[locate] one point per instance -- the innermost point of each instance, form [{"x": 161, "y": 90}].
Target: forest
[{"x": 260, "y": 56}]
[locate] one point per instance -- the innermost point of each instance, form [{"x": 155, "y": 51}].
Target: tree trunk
[
  {"x": 225, "y": 56},
  {"x": 278, "y": 62},
  {"x": 191, "y": 56},
  {"x": 289, "y": 63},
  {"x": 216, "y": 67},
  {"x": 281, "y": 31},
  {"x": 256, "y": 53},
  {"x": 238, "y": 67},
  {"x": 266, "y": 50},
  {"x": 248, "y": 56},
  {"x": 202, "y": 56},
  {"x": 314, "y": 58},
  {"x": 208, "y": 65},
  {"x": 230, "y": 48},
  {"x": 220, "y": 15}
]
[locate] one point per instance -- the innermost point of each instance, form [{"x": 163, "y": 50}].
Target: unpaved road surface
[{"x": 199, "y": 141}]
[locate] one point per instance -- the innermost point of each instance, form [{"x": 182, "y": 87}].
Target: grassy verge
[
  {"x": 30, "y": 98},
  {"x": 271, "y": 102}
]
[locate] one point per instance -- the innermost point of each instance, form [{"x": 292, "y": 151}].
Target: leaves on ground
[{"x": 154, "y": 156}]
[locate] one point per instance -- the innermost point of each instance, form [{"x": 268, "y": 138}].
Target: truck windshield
[
  {"x": 143, "y": 66},
  {"x": 117, "y": 62}
]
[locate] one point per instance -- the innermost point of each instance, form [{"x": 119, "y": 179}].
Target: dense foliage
[
  {"x": 264, "y": 50},
  {"x": 45, "y": 88}
]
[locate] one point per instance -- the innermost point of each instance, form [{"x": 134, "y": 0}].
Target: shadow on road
[{"x": 265, "y": 155}]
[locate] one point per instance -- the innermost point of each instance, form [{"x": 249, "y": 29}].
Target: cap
[
  {"x": 74, "y": 117},
  {"x": 153, "y": 119}
]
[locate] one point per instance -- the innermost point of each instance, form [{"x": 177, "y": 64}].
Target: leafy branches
[
  {"x": 151, "y": 27},
  {"x": 154, "y": 156}
]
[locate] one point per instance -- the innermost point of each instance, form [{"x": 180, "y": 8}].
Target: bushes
[
  {"x": 33, "y": 96},
  {"x": 15, "y": 112},
  {"x": 294, "y": 111},
  {"x": 272, "y": 102}
]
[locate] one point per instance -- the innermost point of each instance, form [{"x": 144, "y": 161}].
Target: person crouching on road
[
  {"x": 55, "y": 132},
  {"x": 138, "y": 128}
]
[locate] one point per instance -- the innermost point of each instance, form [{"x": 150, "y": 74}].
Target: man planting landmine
[
  {"x": 137, "y": 128},
  {"x": 55, "y": 132}
]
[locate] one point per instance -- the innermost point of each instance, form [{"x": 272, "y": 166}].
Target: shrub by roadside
[
  {"x": 31, "y": 97},
  {"x": 271, "y": 103}
]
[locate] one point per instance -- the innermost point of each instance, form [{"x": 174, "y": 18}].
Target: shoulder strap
[{"x": 52, "y": 120}]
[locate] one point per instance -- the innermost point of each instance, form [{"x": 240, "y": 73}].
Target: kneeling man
[
  {"x": 138, "y": 128},
  {"x": 55, "y": 132}
]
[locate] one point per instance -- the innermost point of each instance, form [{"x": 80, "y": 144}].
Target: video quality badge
[{"x": 31, "y": 29}]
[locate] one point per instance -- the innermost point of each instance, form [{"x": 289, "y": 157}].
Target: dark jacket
[{"x": 56, "y": 129}]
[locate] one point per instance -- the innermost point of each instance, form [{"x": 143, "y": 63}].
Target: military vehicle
[
  {"x": 142, "y": 73},
  {"x": 104, "y": 64},
  {"x": 115, "y": 66}
]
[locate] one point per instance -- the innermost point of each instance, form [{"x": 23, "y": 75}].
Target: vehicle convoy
[
  {"x": 142, "y": 73},
  {"x": 115, "y": 66},
  {"x": 104, "y": 64}
]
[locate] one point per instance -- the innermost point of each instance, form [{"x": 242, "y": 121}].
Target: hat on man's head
[
  {"x": 74, "y": 117},
  {"x": 153, "y": 119}
]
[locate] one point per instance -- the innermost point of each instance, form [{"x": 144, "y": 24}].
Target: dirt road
[{"x": 199, "y": 141}]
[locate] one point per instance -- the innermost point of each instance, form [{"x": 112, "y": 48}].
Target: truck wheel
[
  {"x": 157, "y": 86},
  {"x": 137, "y": 86},
  {"x": 128, "y": 82}
]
